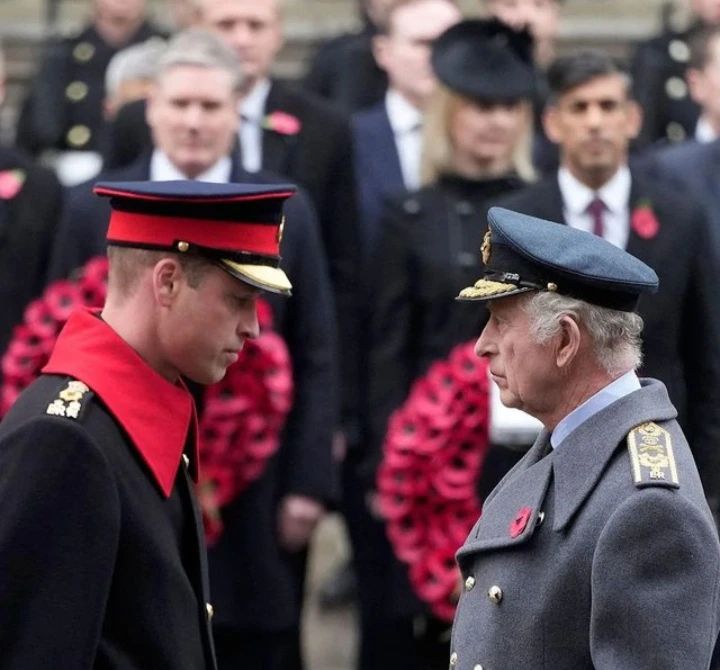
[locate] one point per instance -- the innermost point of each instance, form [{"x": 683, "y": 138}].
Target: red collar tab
[{"x": 156, "y": 414}]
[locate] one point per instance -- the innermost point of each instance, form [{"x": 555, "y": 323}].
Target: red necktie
[{"x": 596, "y": 210}]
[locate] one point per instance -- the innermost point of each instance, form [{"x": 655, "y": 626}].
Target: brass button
[
  {"x": 495, "y": 594},
  {"x": 83, "y": 52},
  {"x": 676, "y": 88},
  {"x": 76, "y": 91},
  {"x": 453, "y": 659},
  {"x": 469, "y": 583},
  {"x": 186, "y": 460},
  {"x": 679, "y": 51},
  {"x": 477, "y": 667},
  {"x": 541, "y": 518},
  {"x": 210, "y": 611},
  {"x": 183, "y": 247},
  {"x": 78, "y": 136},
  {"x": 675, "y": 132}
]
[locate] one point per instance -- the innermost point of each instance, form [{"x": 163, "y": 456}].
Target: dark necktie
[{"x": 596, "y": 210}]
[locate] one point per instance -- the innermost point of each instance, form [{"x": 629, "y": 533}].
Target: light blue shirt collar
[{"x": 615, "y": 390}]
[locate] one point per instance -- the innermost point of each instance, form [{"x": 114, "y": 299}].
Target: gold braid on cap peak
[{"x": 484, "y": 288}]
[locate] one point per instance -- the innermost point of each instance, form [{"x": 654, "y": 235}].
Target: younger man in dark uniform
[{"x": 101, "y": 548}]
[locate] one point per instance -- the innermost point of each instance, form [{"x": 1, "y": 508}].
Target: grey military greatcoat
[{"x": 589, "y": 557}]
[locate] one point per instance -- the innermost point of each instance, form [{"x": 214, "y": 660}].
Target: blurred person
[
  {"x": 658, "y": 69},
  {"x": 30, "y": 201},
  {"x": 130, "y": 74},
  {"x": 102, "y": 557},
  {"x": 351, "y": 52},
  {"x": 606, "y": 512},
  {"x": 62, "y": 115},
  {"x": 592, "y": 117},
  {"x": 192, "y": 111},
  {"x": 703, "y": 77},
  {"x": 476, "y": 138},
  {"x": 387, "y": 136}
]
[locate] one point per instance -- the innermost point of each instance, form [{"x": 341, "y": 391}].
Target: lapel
[
  {"x": 384, "y": 150},
  {"x": 636, "y": 245},
  {"x": 549, "y": 202},
  {"x": 278, "y": 149},
  {"x": 583, "y": 456}
]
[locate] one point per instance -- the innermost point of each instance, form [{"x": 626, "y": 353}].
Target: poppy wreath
[
  {"x": 242, "y": 415},
  {"x": 433, "y": 455}
]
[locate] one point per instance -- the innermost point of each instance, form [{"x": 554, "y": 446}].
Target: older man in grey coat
[{"x": 598, "y": 549}]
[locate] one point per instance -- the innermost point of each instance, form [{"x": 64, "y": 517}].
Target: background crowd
[{"x": 401, "y": 136}]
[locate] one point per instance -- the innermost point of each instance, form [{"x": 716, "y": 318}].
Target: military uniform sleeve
[
  {"x": 58, "y": 538},
  {"x": 655, "y": 579}
]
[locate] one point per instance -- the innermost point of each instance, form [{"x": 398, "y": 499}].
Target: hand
[{"x": 297, "y": 517}]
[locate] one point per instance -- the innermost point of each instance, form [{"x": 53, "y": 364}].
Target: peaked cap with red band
[{"x": 239, "y": 226}]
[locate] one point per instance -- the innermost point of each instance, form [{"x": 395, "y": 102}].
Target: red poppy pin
[
  {"x": 644, "y": 222},
  {"x": 11, "y": 181},
  {"x": 520, "y": 522},
  {"x": 282, "y": 123}
]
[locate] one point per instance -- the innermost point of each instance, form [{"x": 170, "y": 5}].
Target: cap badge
[{"x": 485, "y": 248}]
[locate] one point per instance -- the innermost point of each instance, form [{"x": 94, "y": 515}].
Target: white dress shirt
[
  {"x": 252, "y": 113},
  {"x": 615, "y": 193},
  {"x": 162, "y": 169},
  {"x": 406, "y": 124},
  {"x": 704, "y": 132}
]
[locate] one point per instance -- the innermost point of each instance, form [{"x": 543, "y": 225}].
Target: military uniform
[
  {"x": 598, "y": 549},
  {"x": 101, "y": 546},
  {"x": 64, "y": 108},
  {"x": 577, "y": 564},
  {"x": 659, "y": 86}
]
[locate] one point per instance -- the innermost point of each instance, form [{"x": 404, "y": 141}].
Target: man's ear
[
  {"x": 634, "y": 119},
  {"x": 166, "y": 278},
  {"x": 568, "y": 341},
  {"x": 550, "y": 124},
  {"x": 379, "y": 49}
]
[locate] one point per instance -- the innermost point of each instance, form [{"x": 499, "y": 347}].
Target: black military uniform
[
  {"x": 64, "y": 107},
  {"x": 659, "y": 86}
]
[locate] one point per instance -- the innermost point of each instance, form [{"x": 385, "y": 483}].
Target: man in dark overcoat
[
  {"x": 592, "y": 119},
  {"x": 598, "y": 550},
  {"x": 101, "y": 544},
  {"x": 253, "y": 567}
]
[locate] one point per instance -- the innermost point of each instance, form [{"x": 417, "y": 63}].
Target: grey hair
[
  {"x": 138, "y": 61},
  {"x": 615, "y": 334},
  {"x": 200, "y": 48}
]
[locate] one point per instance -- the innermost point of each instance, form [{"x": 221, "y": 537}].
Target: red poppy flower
[
  {"x": 282, "y": 123},
  {"x": 11, "y": 183},
  {"x": 644, "y": 222}
]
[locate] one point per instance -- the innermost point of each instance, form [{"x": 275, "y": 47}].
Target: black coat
[
  {"x": 100, "y": 569},
  {"x": 658, "y": 70},
  {"x": 27, "y": 227},
  {"x": 681, "y": 338},
  {"x": 64, "y": 107},
  {"x": 430, "y": 250},
  {"x": 251, "y": 578}
]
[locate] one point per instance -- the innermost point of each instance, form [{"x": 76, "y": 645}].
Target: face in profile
[
  {"x": 192, "y": 112},
  {"x": 205, "y": 327},
  {"x": 593, "y": 123},
  {"x": 484, "y": 135}
]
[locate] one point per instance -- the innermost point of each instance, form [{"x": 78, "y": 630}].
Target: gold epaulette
[
  {"x": 651, "y": 454},
  {"x": 70, "y": 401}
]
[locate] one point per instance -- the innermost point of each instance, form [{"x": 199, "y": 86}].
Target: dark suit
[
  {"x": 27, "y": 225},
  {"x": 681, "y": 338},
  {"x": 253, "y": 580},
  {"x": 344, "y": 72},
  {"x": 377, "y": 170},
  {"x": 64, "y": 107}
]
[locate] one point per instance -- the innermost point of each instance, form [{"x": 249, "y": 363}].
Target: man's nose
[
  {"x": 248, "y": 326},
  {"x": 484, "y": 345}
]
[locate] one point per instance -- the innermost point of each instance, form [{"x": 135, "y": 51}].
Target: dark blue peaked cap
[{"x": 523, "y": 253}]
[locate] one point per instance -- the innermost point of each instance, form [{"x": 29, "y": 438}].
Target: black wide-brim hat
[
  {"x": 485, "y": 60},
  {"x": 238, "y": 226},
  {"x": 523, "y": 253}
]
